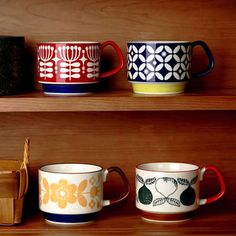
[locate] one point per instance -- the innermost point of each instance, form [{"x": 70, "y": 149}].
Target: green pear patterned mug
[{"x": 167, "y": 191}]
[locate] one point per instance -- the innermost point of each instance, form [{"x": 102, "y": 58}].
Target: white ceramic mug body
[
  {"x": 170, "y": 191},
  {"x": 70, "y": 191},
  {"x": 73, "y": 193}
]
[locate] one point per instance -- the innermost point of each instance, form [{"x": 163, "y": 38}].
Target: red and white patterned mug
[{"x": 71, "y": 68}]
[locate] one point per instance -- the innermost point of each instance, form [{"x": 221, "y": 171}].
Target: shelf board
[
  {"x": 124, "y": 220},
  {"x": 123, "y": 100}
]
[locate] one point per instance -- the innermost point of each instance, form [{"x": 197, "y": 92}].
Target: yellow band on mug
[{"x": 159, "y": 88}]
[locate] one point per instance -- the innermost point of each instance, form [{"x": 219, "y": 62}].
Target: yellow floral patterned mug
[{"x": 73, "y": 193}]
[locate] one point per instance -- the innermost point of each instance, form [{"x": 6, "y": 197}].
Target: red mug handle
[
  {"x": 221, "y": 181},
  {"x": 126, "y": 184},
  {"x": 120, "y": 58}
]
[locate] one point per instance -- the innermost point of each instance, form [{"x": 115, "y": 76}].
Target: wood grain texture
[
  {"x": 124, "y": 220},
  {"x": 119, "y": 128},
  {"x": 123, "y": 100},
  {"x": 124, "y": 20},
  {"x": 7, "y": 211}
]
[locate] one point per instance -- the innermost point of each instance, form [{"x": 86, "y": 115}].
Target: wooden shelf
[
  {"x": 124, "y": 220},
  {"x": 123, "y": 100}
]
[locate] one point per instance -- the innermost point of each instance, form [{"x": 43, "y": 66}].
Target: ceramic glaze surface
[
  {"x": 167, "y": 192},
  {"x": 68, "y": 194},
  {"x": 163, "y": 67},
  {"x": 69, "y": 62},
  {"x": 158, "y": 88},
  {"x": 73, "y": 68},
  {"x": 73, "y": 193},
  {"x": 171, "y": 189},
  {"x": 153, "y": 62}
]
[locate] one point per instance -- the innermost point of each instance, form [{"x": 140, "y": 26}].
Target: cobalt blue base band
[
  {"x": 70, "y": 218},
  {"x": 68, "y": 88}
]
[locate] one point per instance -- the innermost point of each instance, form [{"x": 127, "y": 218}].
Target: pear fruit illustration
[
  {"x": 144, "y": 194},
  {"x": 166, "y": 187},
  {"x": 188, "y": 196}
]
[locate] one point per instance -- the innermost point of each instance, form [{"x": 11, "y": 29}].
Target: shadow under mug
[
  {"x": 168, "y": 191},
  {"x": 73, "y": 193},
  {"x": 73, "y": 68},
  {"x": 163, "y": 67}
]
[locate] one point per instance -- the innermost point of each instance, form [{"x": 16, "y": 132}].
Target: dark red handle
[
  {"x": 120, "y": 58},
  {"x": 126, "y": 184},
  {"x": 221, "y": 181}
]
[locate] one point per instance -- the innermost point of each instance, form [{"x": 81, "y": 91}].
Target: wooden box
[{"x": 13, "y": 187}]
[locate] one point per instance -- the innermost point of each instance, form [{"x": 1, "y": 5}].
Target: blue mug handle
[{"x": 210, "y": 59}]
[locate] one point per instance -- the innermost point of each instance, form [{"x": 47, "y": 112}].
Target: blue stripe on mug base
[
  {"x": 70, "y": 219},
  {"x": 68, "y": 89}
]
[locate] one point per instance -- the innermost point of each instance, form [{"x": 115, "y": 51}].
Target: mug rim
[
  {"x": 44, "y": 168},
  {"x": 142, "y": 167},
  {"x": 159, "y": 42},
  {"x": 69, "y": 42}
]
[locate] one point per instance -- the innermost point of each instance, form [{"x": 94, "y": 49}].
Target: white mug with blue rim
[{"x": 163, "y": 67}]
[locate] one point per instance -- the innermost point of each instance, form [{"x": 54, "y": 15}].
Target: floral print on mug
[
  {"x": 86, "y": 193},
  {"x": 63, "y": 193}
]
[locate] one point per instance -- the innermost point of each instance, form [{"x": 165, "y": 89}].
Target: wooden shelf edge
[
  {"x": 118, "y": 101},
  {"x": 126, "y": 221}
]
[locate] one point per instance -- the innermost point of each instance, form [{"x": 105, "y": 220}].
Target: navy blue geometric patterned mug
[{"x": 163, "y": 67}]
